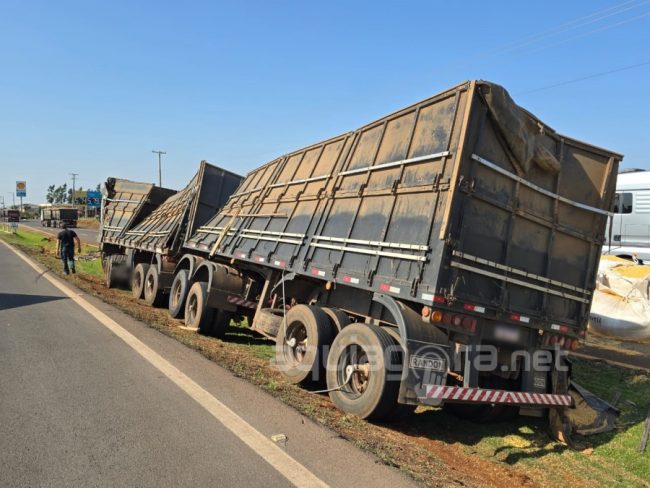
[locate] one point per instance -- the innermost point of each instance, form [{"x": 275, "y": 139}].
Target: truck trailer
[
  {"x": 59, "y": 216},
  {"x": 445, "y": 254},
  {"x": 145, "y": 250}
]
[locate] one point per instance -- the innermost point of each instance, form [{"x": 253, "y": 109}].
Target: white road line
[{"x": 284, "y": 464}]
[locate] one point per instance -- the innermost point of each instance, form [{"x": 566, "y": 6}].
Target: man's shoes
[
  {"x": 73, "y": 271},
  {"x": 67, "y": 272}
]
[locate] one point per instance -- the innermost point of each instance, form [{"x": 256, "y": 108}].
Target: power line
[
  {"x": 567, "y": 26},
  {"x": 584, "y": 34},
  {"x": 594, "y": 75},
  {"x": 579, "y": 22}
]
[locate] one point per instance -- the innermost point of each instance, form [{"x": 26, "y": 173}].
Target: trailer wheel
[
  {"x": 369, "y": 359},
  {"x": 302, "y": 343},
  {"x": 178, "y": 294},
  {"x": 152, "y": 295},
  {"x": 338, "y": 318},
  {"x": 137, "y": 279},
  {"x": 219, "y": 325},
  {"x": 198, "y": 315}
]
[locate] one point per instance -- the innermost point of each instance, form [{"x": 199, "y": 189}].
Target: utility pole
[
  {"x": 74, "y": 180},
  {"x": 159, "y": 153}
]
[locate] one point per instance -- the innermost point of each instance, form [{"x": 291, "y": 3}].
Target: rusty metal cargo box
[
  {"x": 169, "y": 225},
  {"x": 125, "y": 204},
  {"x": 464, "y": 199}
]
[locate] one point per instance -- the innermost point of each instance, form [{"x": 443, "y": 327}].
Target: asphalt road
[
  {"x": 87, "y": 236},
  {"x": 80, "y": 405}
]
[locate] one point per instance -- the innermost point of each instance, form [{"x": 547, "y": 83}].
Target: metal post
[
  {"x": 74, "y": 180},
  {"x": 159, "y": 153}
]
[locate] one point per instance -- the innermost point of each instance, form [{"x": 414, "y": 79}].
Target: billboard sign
[
  {"x": 21, "y": 188},
  {"x": 93, "y": 199},
  {"x": 80, "y": 197}
]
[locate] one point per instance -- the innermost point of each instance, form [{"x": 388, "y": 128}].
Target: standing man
[{"x": 65, "y": 247}]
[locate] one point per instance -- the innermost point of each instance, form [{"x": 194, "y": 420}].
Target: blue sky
[{"x": 92, "y": 87}]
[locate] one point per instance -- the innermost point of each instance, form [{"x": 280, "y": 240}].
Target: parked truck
[
  {"x": 10, "y": 215},
  {"x": 150, "y": 238},
  {"x": 59, "y": 216},
  {"x": 628, "y": 230},
  {"x": 443, "y": 255}
]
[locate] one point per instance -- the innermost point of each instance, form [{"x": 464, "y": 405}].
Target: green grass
[
  {"x": 87, "y": 261},
  {"x": 608, "y": 459}
]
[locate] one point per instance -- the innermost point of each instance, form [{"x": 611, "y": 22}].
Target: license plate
[
  {"x": 431, "y": 364},
  {"x": 507, "y": 334}
]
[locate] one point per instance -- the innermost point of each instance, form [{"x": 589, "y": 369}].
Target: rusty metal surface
[
  {"x": 167, "y": 227},
  {"x": 125, "y": 204},
  {"x": 434, "y": 200}
]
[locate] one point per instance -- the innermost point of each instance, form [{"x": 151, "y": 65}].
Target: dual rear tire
[
  {"x": 361, "y": 363},
  {"x": 138, "y": 279},
  {"x": 202, "y": 318}
]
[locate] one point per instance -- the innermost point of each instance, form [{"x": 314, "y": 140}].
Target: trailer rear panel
[
  {"x": 462, "y": 198},
  {"x": 125, "y": 204}
]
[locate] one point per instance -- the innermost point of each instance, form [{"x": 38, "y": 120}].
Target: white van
[{"x": 628, "y": 230}]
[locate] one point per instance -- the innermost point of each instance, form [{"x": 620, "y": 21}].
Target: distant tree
[
  {"x": 61, "y": 193},
  {"x": 50, "y": 194}
]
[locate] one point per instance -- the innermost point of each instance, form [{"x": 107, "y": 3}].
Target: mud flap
[
  {"x": 426, "y": 352},
  {"x": 591, "y": 415}
]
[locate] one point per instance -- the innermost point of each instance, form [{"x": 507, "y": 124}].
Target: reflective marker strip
[
  {"x": 317, "y": 272},
  {"x": 242, "y": 255},
  {"x": 388, "y": 288},
  {"x": 474, "y": 308},
  {"x": 281, "y": 264},
  {"x": 259, "y": 259},
  {"x": 351, "y": 279},
  {"x": 241, "y": 302},
  {"x": 520, "y": 318},
  {"x": 479, "y": 395}
]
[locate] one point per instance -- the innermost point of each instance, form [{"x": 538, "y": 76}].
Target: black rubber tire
[
  {"x": 198, "y": 315},
  {"x": 178, "y": 294},
  {"x": 137, "y": 279},
  {"x": 297, "y": 364},
  {"x": 378, "y": 400},
  {"x": 152, "y": 295},
  {"x": 219, "y": 324},
  {"x": 338, "y": 318}
]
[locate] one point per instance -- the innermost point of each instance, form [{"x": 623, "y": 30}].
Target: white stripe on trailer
[
  {"x": 427, "y": 296},
  {"x": 479, "y": 395}
]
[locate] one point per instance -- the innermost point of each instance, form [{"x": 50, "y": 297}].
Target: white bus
[{"x": 628, "y": 230}]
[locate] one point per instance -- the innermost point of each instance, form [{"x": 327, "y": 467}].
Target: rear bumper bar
[{"x": 436, "y": 395}]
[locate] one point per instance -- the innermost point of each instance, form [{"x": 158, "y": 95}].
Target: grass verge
[{"x": 432, "y": 446}]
